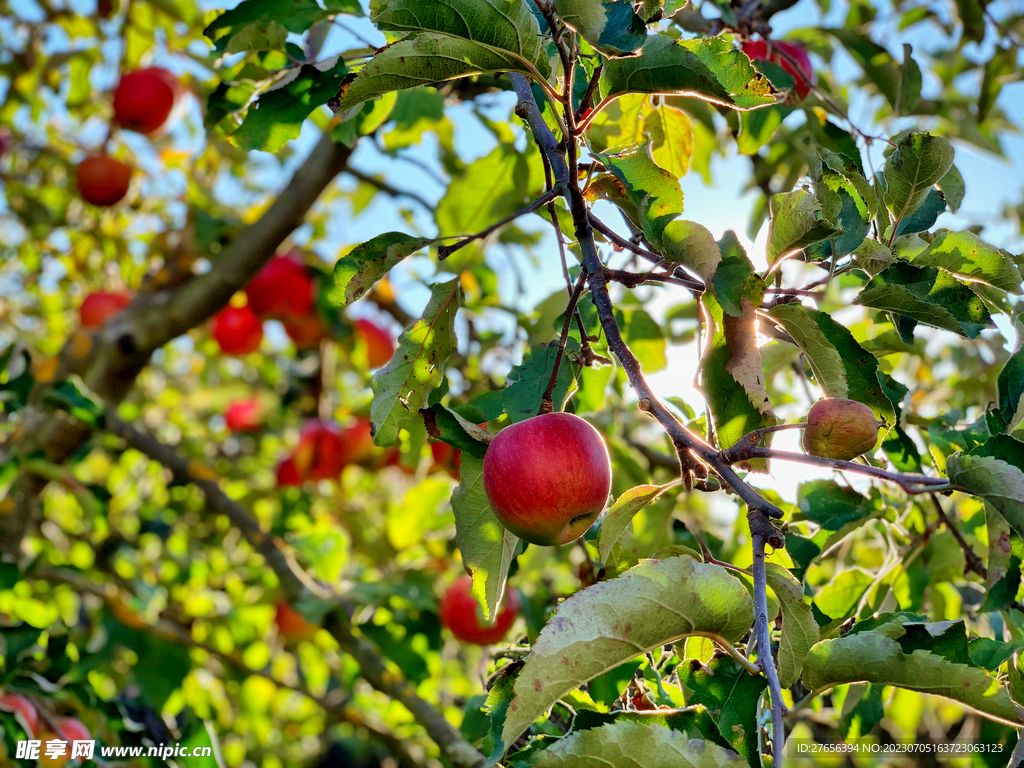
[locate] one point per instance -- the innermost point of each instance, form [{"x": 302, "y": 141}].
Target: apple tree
[{"x": 368, "y": 398}]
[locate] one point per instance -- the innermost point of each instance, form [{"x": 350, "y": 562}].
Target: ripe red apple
[
  {"x": 791, "y": 57},
  {"x": 305, "y": 331},
  {"x": 73, "y": 729},
  {"x": 102, "y": 180},
  {"x": 548, "y": 478},
  {"x": 283, "y": 288},
  {"x": 291, "y": 625},
  {"x": 99, "y": 306},
  {"x": 146, "y": 98},
  {"x": 237, "y": 330},
  {"x": 380, "y": 344},
  {"x": 460, "y": 613},
  {"x": 320, "y": 454},
  {"x": 244, "y": 415},
  {"x": 356, "y": 441},
  {"x": 446, "y": 459},
  {"x": 840, "y": 429},
  {"x": 392, "y": 457},
  {"x": 19, "y": 705},
  {"x": 5, "y": 141},
  {"x": 288, "y": 474}
]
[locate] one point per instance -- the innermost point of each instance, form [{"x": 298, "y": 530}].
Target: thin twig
[
  {"x": 386, "y": 188},
  {"x": 444, "y": 251},
  {"x": 691, "y": 283},
  {"x": 762, "y": 629},
  {"x": 546, "y": 403}
]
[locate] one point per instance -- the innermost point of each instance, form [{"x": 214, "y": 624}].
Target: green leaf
[
  {"x": 644, "y": 336},
  {"x": 799, "y": 629},
  {"x": 758, "y": 126},
  {"x": 899, "y": 83},
  {"x": 503, "y": 26},
  {"x": 277, "y": 116},
  {"x": 797, "y": 220},
  {"x": 487, "y": 547},
  {"x": 842, "y": 367},
  {"x": 965, "y": 255},
  {"x": 425, "y": 59},
  {"x": 730, "y": 694},
  {"x": 705, "y": 68},
  {"x": 357, "y": 271},
  {"x": 952, "y": 187},
  {"x": 850, "y": 201},
  {"x": 450, "y": 428},
  {"x": 689, "y": 244},
  {"x": 610, "y": 26},
  {"x": 1011, "y": 387},
  {"x": 602, "y": 626},
  {"x": 732, "y": 377},
  {"x": 923, "y": 218},
  {"x": 731, "y": 279},
  {"x": 254, "y": 17},
  {"x": 993, "y": 473},
  {"x": 695, "y": 721},
  {"x": 401, "y": 388},
  {"x": 258, "y": 36},
  {"x": 919, "y": 161},
  {"x": 627, "y": 744},
  {"x": 526, "y": 382},
  {"x": 67, "y": 397},
  {"x": 877, "y": 657},
  {"x": 840, "y": 598},
  {"x": 325, "y": 549},
  {"x": 621, "y": 513},
  {"x": 498, "y": 700},
  {"x": 654, "y": 191},
  {"x": 831, "y": 505},
  {"x": 671, "y": 139},
  {"x": 418, "y": 512},
  {"x": 930, "y": 296}
]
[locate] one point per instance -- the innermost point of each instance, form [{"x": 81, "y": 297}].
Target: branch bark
[{"x": 109, "y": 360}]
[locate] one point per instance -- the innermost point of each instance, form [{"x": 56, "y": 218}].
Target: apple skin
[
  {"x": 446, "y": 458},
  {"x": 356, "y": 441},
  {"x": 243, "y": 415},
  {"x": 288, "y": 474},
  {"x": 282, "y": 289},
  {"x": 103, "y": 180},
  {"x": 784, "y": 55},
  {"x": 547, "y": 478},
  {"x": 460, "y": 613},
  {"x": 306, "y": 331},
  {"x": 840, "y": 429},
  {"x": 99, "y": 306},
  {"x": 19, "y": 705},
  {"x": 73, "y": 729},
  {"x": 380, "y": 344},
  {"x": 145, "y": 99},
  {"x": 320, "y": 454},
  {"x": 237, "y": 330},
  {"x": 291, "y": 625}
]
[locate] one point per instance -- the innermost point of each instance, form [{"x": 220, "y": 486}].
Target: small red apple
[
  {"x": 73, "y": 729},
  {"x": 283, "y": 288},
  {"x": 446, "y": 459},
  {"x": 380, "y": 344},
  {"x": 548, "y": 478},
  {"x": 99, "y": 306},
  {"x": 306, "y": 331},
  {"x": 320, "y": 454},
  {"x": 237, "y": 330},
  {"x": 19, "y": 705},
  {"x": 243, "y": 415},
  {"x": 461, "y": 614},
  {"x": 840, "y": 429},
  {"x": 145, "y": 99},
  {"x": 356, "y": 441},
  {"x": 288, "y": 474},
  {"x": 291, "y": 625},
  {"x": 791, "y": 57},
  {"x": 102, "y": 180}
]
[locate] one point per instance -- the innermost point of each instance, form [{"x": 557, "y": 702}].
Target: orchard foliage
[{"x": 275, "y": 277}]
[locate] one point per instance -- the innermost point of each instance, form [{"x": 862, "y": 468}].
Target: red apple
[
  {"x": 99, "y": 306},
  {"x": 380, "y": 344},
  {"x": 237, "y": 330},
  {"x": 19, "y": 705},
  {"x": 460, "y": 613},
  {"x": 305, "y": 331},
  {"x": 320, "y": 454},
  {"x": 243, "y": 415},
  {"x": 446, "y": 458},
  {"x": 145, "y": 99},
  {"x": 792, "y": 58},
  {"x": 73, "y": 729},
  {"x": 102, "y": 180},
  {"x": 392, "y": 457},
  {"x": 548, "y": 478},
  {"x": 288, "y": 474},
  {"x": 356, "y": 441},
  {"x": 283, "y": 288},
  {"x": 840, "y": 429},
  {"x": 291, "y": 625}
]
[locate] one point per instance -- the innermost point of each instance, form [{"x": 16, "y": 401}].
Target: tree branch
[
  {"x": 444, "y": 251},
  {"x": 762, "y": 628}
]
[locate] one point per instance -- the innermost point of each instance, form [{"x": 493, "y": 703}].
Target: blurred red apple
[
  {"x": 446, "y": 458},
  {"x": 73, "y": 729},
  {"x": 283, "y": 288},
  {"x": 320, "y": 454},
  {"x": 243, "y": 415},
  {"x": 291, "y": 625},
  {"x": 461, "y": 614},
  {"x": 306, "y": 331},
  {"x": 102, "y": 180},
  {"x": 146, "y": 98},
  {"x": 791, "y": 57},
  {"x": 19, "y": 705},
  {"x": 237, "y": 330},
  {"x": 99, "y": 306},
  {"x": 548, "y": 478},
  {"x": 380, "y": 344},
  {"x": 288, "y": 474},
  {"x": 356, "y": 441}
]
